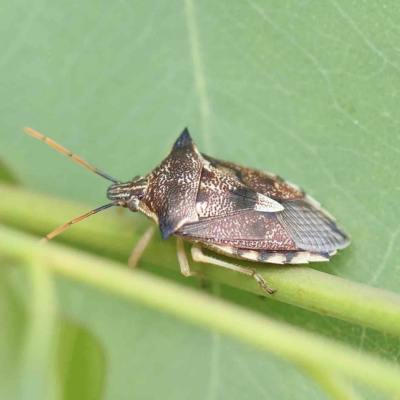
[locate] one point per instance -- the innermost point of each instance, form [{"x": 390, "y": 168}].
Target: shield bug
[{"x": 233, "y": 210}]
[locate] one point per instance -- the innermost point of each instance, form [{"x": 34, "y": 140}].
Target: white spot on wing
[{"x": 266, "y": 204}]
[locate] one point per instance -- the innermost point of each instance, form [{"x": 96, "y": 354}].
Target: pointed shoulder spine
[{"x": 183, "y": 140}]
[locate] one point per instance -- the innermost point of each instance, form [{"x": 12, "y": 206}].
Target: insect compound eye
[{"x": 133, "y": 205}]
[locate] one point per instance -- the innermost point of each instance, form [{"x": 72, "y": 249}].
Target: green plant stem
[
  {"x": 39, "y": 378},
  {"x": 115, "y": 235},
  {"x": 203, "y": 310},
  {"x": 336, "y": 386}
]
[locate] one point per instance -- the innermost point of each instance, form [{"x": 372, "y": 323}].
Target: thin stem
[
  {"x": 336, "y": 386},
  {"x": 265, "y": 334},
  {"x": 38, "y": 377},
  {"x": 114, "y": 236}
]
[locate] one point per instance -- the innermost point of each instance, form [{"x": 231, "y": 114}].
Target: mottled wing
[
  {"x": 247, "y": 229},
  {"x": 309, "y": 226},
  {"x": 220, "y": 194},
  {"x": 268, "y": 184},
  {"x": 300, "y": 227}
]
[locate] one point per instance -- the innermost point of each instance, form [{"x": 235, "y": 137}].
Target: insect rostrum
[{"x": 236, "y": 211}]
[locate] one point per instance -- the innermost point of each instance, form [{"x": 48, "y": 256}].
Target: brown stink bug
[{"x": 236, "y": 211}]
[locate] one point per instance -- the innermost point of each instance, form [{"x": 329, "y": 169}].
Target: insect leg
[
  {"x": 183, "y": 261},
  {"x": 140, "y": 247},
  {"x": 199, "y": 256}
]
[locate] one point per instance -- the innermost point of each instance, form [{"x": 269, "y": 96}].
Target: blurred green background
[{"x": 305, "y": 89}]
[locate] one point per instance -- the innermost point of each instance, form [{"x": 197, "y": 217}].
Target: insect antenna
[
  {"x": 62, "y": 149},
  {"x": 81, "y": 161},
  {"x": 75, "y": 220}
]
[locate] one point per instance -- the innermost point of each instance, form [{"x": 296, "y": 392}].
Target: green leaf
[
  {"x": 43, "y": 358},
  {"x": 6, "y": 175},
  {"x": 307, "y": 90}
]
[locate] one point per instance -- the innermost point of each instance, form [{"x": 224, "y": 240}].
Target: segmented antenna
[
  {"x": 62, "y": 149},
  {"x": 81, "y": 161},
  {"x": 74, "y": 221}
]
